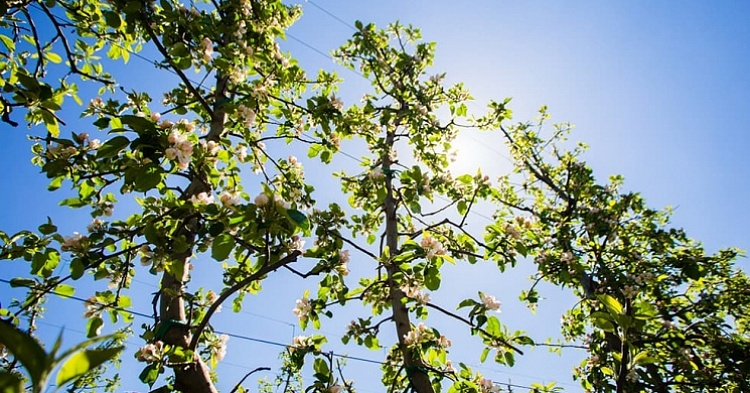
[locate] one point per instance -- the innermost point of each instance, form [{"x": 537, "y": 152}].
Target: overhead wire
[{"x": 232, "y": 334}]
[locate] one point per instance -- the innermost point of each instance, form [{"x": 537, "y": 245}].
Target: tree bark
[
  {"x": 415, "y": 370},
  {"x": 193, "y": 377}
]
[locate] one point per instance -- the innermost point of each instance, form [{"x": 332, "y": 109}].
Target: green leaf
[
  {"x": 84, "y": 361},
  {"x": 22, "y": 282},
  {"x": 26, "y": 350},
  {"x": 113, "y": 146},
  {"x": 77, "y": 268},
  {"x": 150, "y": 374},
  {"x": 300, "y": 219},
  {"x": 613, "y": 306},
  {"x": 48, "y": 228},
  {"x": 462, "y": 207},
  {"x": 113, "y": 19},
  {"x": 73, "y": 202},
  {"x": 432, "y": 278},
  {"x": 483, "y": 357},
  {"x": 10, "y": 383},
  {"x": 493, "y": 326},
  {"x": 509, "y": 359},
  {"x": 8, "y": 42},
  {"x": 64, "y": 290},
  {"x": 55, "y": 183},
  {"x": 222, "y": 246},
  {"x": 148, "y": 179},
  {"x": 94, "y": 327},
  {"x": 53, "y": 57}
]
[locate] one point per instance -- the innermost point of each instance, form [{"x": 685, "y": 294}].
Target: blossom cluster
[
  {"x": 181, "y": 149},
  {"x": 413, "y": 292},
  {"x": 218, "y": 347},
  {"x": 246, "y": 115},
  {"x": 211, "y": 298},
  {"x": 342, "y": 267},
  {"x": 302, "y": 342},
  {"x": 93, "y": 307},
  {"x": 77, "y": 242},
  {"x": 151, "y": 352},
  {"x": 488, "y": 386},
  {"x": 303, "y": 308},
  {"x": 432, "y": 246},
  {"x": 422, "y": 334},
  {"x": 516, "y": 228},
  {"x": 490, "y": 302},
  {"x": 229, "y": 199},
  {"x": 202, "y": 198}
]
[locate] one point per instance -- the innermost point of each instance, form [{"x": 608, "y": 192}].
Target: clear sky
[{"x": 657, "y": 89}]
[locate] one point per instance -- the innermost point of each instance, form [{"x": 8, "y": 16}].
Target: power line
[{"x": 240, "y": 336}]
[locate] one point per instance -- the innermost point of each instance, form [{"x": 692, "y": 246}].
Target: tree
[{"x": 656, "y": 313}]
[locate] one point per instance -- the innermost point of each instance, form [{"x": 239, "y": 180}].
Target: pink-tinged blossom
[
  {"x": 202, "y": 199},
  {"x": 279, "y": 201},
  {"x": 297, "y": 243},
  {"x": 211, "y": 298},
  {"x": 208, "y": 49},
  {"x": 336, "y": 389},
  {"x": 303, "y": 308},
  {"x": 150, "y": 352},
  {"x": 417, "y": 335},
  {"x": 218, "y": 348},
  {"x": 261, "y": 200},
  {"x": 74, "y": 243},
  {"x": 155, "y": 117},
  {"x": 229, "y": 199},
  {"x": 211, "y": 147},
  {"x": 241, "y": 152},
  {"x": 246, "y": 115},
  {"x": 94, "y": 144},
  {"x": 96, "y": 103},
  {"x": 95, "y": 225},
  {"x": 487, "y": 386},
  {"x": 490, "y": 302},
  {"x": 432, "y": 247},
  {"x": 93, "y": 308},
  {"x": 336, "y": 103},
  {"x": 376, "y": 173},
  {"x": 301, "y": 342},
  {"x": 343, "y": 261},
  {"x": 566, "y": 257}
]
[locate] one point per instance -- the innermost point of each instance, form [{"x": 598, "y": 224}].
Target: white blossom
[
  {"x": 261, "y": 200},
  {"x": 432, "y": 246},
  {"x": 297, "y": 243},
  {"x": 202, "y": 199},
  {"x": 211, "y": 298},
  {"x": 376, "y": 173},
  {"x": 229, "y": 199},
  {"x": 490, "y": 302},
  {"x": 218, "y": 348},
  {"x": 73, "y": 243},
  {"x": 150, "y": 352},
  {"x": 303, "y": 308},
  {"x": 208, "y": 49}
]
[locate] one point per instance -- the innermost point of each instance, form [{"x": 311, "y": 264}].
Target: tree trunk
[
  {"x": 193, "y": 377},
  {"x": 415, "y": 370}
]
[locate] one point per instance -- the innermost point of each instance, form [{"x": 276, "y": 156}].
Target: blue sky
[{"x": 657, "y": 89}]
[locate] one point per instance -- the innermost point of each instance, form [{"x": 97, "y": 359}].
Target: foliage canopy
[{"x": 656, "y": 312}]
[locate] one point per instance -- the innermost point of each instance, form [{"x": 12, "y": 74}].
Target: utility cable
[{"x": 247, "y": 338}]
